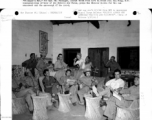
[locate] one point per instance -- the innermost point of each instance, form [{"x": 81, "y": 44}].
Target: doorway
[
  {"x": 70, "y": 54},
  {"x": 98, "y": 58}
]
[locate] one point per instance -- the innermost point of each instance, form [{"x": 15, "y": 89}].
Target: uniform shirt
[
  {"x": 60, "y": 64},
  {"x": 30, "y": 63},
  {"x": 133, "y": 91},
  {"x": 49, "y": 82},
  {"x": 115, "y": 84},
  {"x": 86, "y": 81},
  {"x": 41, "y": 64},
  {"x": 113, "y": 66}
]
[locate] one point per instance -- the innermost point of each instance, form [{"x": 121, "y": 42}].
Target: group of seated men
[{"x": 77, "y": 87}]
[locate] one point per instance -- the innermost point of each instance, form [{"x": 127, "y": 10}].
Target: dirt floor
[{"x": 76, "y": 113}]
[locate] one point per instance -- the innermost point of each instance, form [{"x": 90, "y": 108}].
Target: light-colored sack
[{"x": 64, "y": 103}]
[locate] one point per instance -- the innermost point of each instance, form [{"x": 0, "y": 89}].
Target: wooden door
[{"x": 98, "y": 56}]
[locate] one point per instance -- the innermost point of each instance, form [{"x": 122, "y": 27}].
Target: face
[
  {"x": 88, "y": 74},
  {"x": 68, "y": 73},
  {"x": 47, "y": 73},
  {"x": 33, "y": 56},
  {"x": 43, "y": 56},
  {"x": 117, "y": 75},
  {"x": 60, "y": 57},
  {"x": 112, "y": 59},
  {"x": 78, "y": 56},
  {"x": 136, "y": 81}
]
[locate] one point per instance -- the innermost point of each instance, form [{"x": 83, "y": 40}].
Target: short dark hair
[
  {"x": 32, "y": 54},
  {"x": 45, "y": 71},
  {"x": 59, "y": 54},
  {"x": 117, "y": 70},
  {"x": 113, "y": 57},
  {"x": 50, "y": 62},
  {"x": 67, "y": 71}
]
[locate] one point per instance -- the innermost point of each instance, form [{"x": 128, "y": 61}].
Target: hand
[{"x": 75, "y": 59}]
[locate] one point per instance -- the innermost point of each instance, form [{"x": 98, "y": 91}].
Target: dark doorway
[
  {"x": 70, "y": 54},
  {"x": 128, "y": 57},
  {"x": 98, "y": 56}
]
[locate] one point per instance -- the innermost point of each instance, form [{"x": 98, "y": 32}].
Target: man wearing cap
[
  {"x": 85, "y": 83},
  {"x": 41, "y": 65}
]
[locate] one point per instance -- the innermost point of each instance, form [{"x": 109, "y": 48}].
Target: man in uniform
[{"x": 30, "y": 63}]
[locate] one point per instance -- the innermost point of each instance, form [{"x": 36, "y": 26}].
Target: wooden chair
[{"x": 93, "y": 108}]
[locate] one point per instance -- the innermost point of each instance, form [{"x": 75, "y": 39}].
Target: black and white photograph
[{"x": 75, "y": 69}]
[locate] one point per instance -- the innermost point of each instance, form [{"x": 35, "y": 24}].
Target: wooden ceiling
[{"x": 93, "y": 22}]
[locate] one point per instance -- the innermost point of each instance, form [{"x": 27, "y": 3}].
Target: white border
[{"x": 143, "y": 15}]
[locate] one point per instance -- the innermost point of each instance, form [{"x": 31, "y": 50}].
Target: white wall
[
  {"x": 111, "y": 34},
  {"x": 25, "y": 39}
]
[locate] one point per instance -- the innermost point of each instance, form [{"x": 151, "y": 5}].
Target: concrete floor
[{"x": 76, "y": 113}]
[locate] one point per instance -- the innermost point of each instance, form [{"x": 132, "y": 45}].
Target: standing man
[
  {"x": 60, "y": 64},
  {"x": 113, "y": 65},
  {"x": 41, "y": 65},
  {"x": 30, "y": 64},
  {"x": 78, "y": 61}
]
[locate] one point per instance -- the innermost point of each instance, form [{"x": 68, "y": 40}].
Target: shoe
[
  {"x": 31, "y": 112},
  {"x": 49, "y": 107},
  {"x": 81, "y": 103},
  {"x": 55, "y": 104},
  {"x": 74, "y": 104}
]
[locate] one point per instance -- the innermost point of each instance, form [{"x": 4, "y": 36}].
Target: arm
[
  {"x": 125, "y": 91},
  {"x": 119, "y": 67},
  {"x": 75, "y": 63},
  {"x": 132, "y": 97},
  {"x": 41, "y": 83},
  {"x": 107, "y": 64},
  {"x": 24, "y": 64},
  {"x": 38, "y": 65},
  {"x": 64, "y": 65},
  {"x": 108, "y": 83}
]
